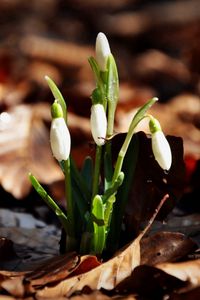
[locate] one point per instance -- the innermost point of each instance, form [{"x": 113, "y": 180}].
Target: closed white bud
[
  {"x": 98, "y": 122},
  {"x": 102, "y": 51},
  {"x": 60, "y": 139},
  {"x": 160, "y": 145}
]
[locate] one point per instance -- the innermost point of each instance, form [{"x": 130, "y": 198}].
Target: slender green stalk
[
  {"x": 95, "y": 185},
  {"x": 137, "y": 118},
  {"x": 69, "y": 200}
]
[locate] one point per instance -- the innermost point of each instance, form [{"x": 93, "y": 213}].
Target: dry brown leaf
[
  {"x": 24, "y": 147},
  {"x": 14, "y": 286},
  {"x": 7, "y": 298},
  {"x": 109, "y": 274},
  {"x": 97, "y": 295},
  {"x": 164, "y": 247},
  {"x": 106, "y": 276},
  {"x": 55, "y": 269},
  {"x": 186, "y": 271},
  {"x": 57, "y": 51}
]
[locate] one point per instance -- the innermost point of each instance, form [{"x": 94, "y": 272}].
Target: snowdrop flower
[
  {"x": 102, "y": 51},
  {"x": 98, "y": 122},
  {"x": 59, "y": 134},
  {"x": 160, "y": 145}
]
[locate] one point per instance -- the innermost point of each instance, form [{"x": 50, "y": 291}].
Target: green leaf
[
  {"x": 141, "y": 113},
  {"x": 114, "y": 187},
  {"x": 96, "y": 71},
  {"x": 80, "y": 182},
  {"x": 112, "y": 81},
  {"x": 49, "y": 201},
  {"x": 108, "y": 169},
  {"x": 108, "y": 211},
  {"x": 57, "y": 95},
  {"x": 98, "y": 223},
  {"x": 122, "y": 195},
  {"x": 78, "y": 179},
  {"x": 87, "y": 172}
]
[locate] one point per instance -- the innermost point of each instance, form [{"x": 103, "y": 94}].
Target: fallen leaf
[
  {"x": 185, "y": 271},
  {"x": 189, "y": 295},
  {"x": 164, "y": 247},
  {"x": 97, "y": 295},
  {"x": 53, "y": 270},
  {"x": 24, "y": 144},
  {"x": 107, "y": 275},
  {"x": 150, "y": 282},
  {"x": 7, "y": 298},
  {"x": 14, "y": 286},
  {"x": 150, "y": 183},
  {"x": 87, "y": 263}
]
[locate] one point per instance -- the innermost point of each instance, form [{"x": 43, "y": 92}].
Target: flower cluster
[{"x": 89, "y": 195}]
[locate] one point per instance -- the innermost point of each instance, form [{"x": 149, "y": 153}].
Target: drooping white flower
[
  {"x": 102, "y": 51},
  {"x": 98, "y": 122},
  {"x": 160, "y": 145},
  {"x": 59, "y": 134}
]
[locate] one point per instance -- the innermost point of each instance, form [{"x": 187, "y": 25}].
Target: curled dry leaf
[
  {"x": 105, "y": 276},
  {"x": 55, "y": 269}
]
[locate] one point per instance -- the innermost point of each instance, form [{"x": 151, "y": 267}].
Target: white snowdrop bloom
[
  {"x": 98, "y": 122},
  {"x": 60, "y": 139},
  {"x": 102, "y": 51},
  {"x": 160, "y": 145}
]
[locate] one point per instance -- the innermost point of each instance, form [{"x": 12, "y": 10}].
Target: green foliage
[{"x": 96, "y": 196}]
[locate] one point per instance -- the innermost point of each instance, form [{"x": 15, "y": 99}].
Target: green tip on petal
[
  {"x": 154, "y": 125},
  {"x": 56, "y": 110}
]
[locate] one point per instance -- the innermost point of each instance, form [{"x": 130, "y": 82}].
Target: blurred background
[{"x": 157, "y": 50}]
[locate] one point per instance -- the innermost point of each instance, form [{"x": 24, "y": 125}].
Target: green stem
[
  {"x": 95, "y": 185},
  {"x": 137, "y": 118},
  {"x": 69, "y": 200}
]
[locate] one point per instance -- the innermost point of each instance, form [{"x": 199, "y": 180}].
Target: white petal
[
  {"x": 60, "y": 139},
  {"x": 98, "y": 122},
  {"x": 161, "y": 150},
  {"x": 102, "y": 50}
]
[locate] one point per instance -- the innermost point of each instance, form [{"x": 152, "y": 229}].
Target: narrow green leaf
[
  {"x": 114, "y": 187},
  {"x": 96, "y": 71},
  {"x": 80, "y": 181},
  {"x": 49, "y": 201},
  {"x": 87, "y": 172},
  {"x": 81, "y": 202},
  {"x": 108, "y": 169},
  {"x": 113, "y": 80}
]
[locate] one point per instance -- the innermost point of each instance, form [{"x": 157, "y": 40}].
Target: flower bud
[
  {"x": 98, "y": 122},
  {"x": 59, "y": 135},
  {"x": 102, "y": 51},
  {"x": 160, "y": 145}
]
